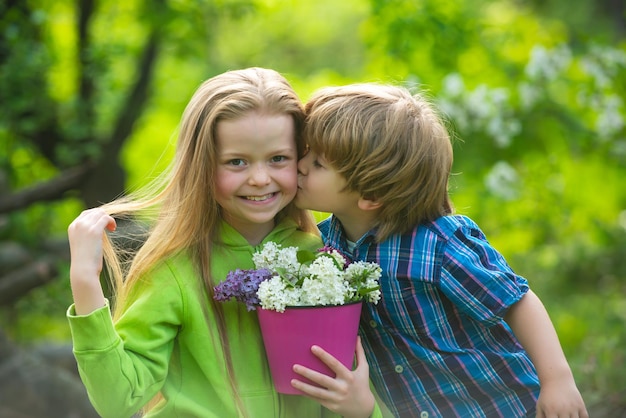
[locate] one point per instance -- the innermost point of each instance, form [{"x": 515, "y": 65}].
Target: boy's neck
[{"x": 357, "y": 226}]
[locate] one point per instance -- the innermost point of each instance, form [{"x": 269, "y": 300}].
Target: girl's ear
[{"x": 368, "y": 204}]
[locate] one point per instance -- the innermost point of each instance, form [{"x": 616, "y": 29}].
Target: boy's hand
[
  {"x": 560, "y": 399},
  {"x": 348, "y": 394}
]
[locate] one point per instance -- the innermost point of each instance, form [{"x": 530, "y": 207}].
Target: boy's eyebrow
[{"x": 321, "y": 157}]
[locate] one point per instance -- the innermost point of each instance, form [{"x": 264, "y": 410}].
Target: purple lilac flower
[{"x": 242, "y": 285}]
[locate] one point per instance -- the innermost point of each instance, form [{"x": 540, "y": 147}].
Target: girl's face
[{"x": 257, "y": 171}]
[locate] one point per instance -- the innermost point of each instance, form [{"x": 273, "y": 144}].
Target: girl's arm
[
  {"x": 348, "y": 394},
  {"x": 559, "y": 396},
  {"x": 85, "y": 235},
  {"x": 120, "y": 374}
]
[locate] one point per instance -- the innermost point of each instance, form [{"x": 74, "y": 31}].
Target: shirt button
[
  {"x": 399, "y": 369},
  {"x": 373, "y": 324},
  {"x": 424, "y": 414}
]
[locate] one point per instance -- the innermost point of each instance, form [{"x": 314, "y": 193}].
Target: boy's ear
[{"x": 369, "y": 204}]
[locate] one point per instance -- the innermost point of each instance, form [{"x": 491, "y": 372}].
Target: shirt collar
[{"x": 335, "y": 236}]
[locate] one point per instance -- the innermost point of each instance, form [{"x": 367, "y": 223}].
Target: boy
[{"x": 457, "y": 333}]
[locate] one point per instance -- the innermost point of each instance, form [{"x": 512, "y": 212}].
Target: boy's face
[{"x": 320, "y": 187}]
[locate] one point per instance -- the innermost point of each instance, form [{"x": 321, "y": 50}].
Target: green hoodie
[{"x": 162, "y": 343}]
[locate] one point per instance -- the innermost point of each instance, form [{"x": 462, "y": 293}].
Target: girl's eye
[
  {"x": 278, "y": 159},
  {"x": 317, "y": 164},
  {"x": 236, "y": 162}
]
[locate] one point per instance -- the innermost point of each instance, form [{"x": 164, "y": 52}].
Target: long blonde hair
[{"x": 180, "y": 205}]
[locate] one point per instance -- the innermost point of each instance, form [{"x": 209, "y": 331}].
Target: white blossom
[
  {"x": 602, "y": 64},
  {"x": 548, "y": 64},
  {"x": 453, "y": 85},
  {"x": 272, "y": 256},
  {"x": 610, "y": 120},
  {"x": 323, "y": 280},
  {"x": 503, "y": 181},
  {"x": 529, "y": 94},
  {"x": 274, "y": 294}
]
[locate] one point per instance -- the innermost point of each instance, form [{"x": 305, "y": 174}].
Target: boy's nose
[{"x": 303, "y": 166}]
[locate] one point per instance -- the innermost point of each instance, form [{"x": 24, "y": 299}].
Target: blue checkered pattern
[{"x": 436, "y": 342}]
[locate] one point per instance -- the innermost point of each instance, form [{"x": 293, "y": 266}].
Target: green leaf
[
  {"x": 282, "y": 272},
  {"x": 305, "y": 256},
  {"x": 364, "y": 291}
]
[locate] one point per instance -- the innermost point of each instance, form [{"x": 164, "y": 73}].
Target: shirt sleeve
[
  {"x": 123, "y": 365},
  {"x": 477, "y": 278}
]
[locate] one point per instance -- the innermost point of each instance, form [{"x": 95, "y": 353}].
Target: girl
[{"x": 228, "y": 190}]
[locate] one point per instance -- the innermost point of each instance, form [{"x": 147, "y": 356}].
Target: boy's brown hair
[{"x": 391, "y": 146}]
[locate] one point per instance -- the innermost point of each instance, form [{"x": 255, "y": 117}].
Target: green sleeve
[
  {"x": 380, "y": 409},
  {"x": 124, "y": 365},
  {"x": 377, "y": 412}
]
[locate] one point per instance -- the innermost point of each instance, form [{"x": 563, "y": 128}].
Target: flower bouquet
[{"x": 303, "y": 298}]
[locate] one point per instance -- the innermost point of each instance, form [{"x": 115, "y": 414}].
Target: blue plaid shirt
[{"x": 436, "y": 342}]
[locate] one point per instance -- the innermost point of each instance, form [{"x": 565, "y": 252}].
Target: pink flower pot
[{"x": 288, "y": 337}]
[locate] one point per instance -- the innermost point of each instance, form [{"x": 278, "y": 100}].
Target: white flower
[
  {"x": 274, "y": 294},
  {"x": 529, "y": 95},
  {"x": 324, "y": 291},
  {"x": 338, "y": 257},
  {"x": 503, "y": 181},
  {"x": 610, "y": 120},
  {"x": 272, "y": 256},
  {"x": 318, "y": 279},
  {"x": 367, "y": 275},
  {"x": 548, "y": 64},
  {"x": 453, "y": 85}
]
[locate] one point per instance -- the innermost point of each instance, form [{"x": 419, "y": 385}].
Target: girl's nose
[{"x": 259, "y": 176}]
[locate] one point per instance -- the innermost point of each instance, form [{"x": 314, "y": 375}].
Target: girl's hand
[
  {"x": 348, "y": 394},
  {"x": 85, "y": 235}
]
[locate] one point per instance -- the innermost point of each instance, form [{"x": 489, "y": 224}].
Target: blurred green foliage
[{"x": 535, "y": 102}]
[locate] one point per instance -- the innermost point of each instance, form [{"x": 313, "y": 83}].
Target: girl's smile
[{"x": 260, "y": 198}]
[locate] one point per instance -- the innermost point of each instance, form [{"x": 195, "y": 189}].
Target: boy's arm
[{"x": 531, "y": 324}]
